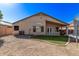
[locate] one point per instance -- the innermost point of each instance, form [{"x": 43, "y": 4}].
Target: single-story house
[
  {"x": 5, "y": 28},
  {"x": 39, "y": 24}
]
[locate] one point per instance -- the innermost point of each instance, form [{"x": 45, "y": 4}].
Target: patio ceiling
[{"x": 56, "y": 23}]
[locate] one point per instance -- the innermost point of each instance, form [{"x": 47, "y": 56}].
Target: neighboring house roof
[
  {"x": 71, "y": 26},
  {"x": 5, "y": 23},
  {"x": 43, "y": 14}
]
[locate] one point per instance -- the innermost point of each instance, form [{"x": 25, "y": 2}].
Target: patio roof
[
  {"x": 56, "y": 23},
  {"x": 5, "y": 23}
]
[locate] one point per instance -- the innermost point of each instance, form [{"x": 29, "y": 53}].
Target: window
[
  {"x": 16, "y": 28},
  {"x": 34, "y": 28},
  {"x": 42, "y": 29},
  {"x": 50, "y": 29},
  {"x": 47, "y": 29}
]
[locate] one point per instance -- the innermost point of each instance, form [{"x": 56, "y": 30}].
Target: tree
[{"x": 1, "y": 15}]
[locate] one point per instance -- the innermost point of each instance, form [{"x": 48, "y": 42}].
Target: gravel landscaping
[{"x": 15, "y": 46}]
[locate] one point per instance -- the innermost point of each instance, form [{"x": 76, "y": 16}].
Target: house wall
[
  {"x": 27, "y": 25},
  {"x": 37, "y": 20}
]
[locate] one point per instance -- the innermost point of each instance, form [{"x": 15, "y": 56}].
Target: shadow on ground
[
  {"x": 1, "y": 42},
  {"x": 23, "y": 36},
  {"x": 74, "y": 40}
]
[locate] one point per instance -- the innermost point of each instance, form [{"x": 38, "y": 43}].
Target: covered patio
[{"x": 55, "y": 28}]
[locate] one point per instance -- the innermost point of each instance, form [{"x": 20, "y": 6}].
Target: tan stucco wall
[{"x": 25, "y": 25}]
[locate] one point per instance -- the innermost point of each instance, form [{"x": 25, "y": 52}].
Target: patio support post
[
  {"x": 77, "y": 34},
  {"x": 76, "y": 31},
  {"x": 77, "y": 42},
  {"x": 67, "y": 30}
]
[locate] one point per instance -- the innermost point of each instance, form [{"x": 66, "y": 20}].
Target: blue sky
[{"x": 62, "y": 11}]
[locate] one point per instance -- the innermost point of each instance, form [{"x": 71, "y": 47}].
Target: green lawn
[{"x": 53, "y": 39}]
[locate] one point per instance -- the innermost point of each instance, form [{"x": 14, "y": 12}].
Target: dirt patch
[{"x": 14, "y": 46}]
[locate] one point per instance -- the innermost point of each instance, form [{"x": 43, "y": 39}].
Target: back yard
[
  {"x": 60, "y": 40},
  {"x": 25, "y": 46}
]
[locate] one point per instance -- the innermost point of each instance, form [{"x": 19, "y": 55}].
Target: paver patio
[{"x": 13, "y": 46}]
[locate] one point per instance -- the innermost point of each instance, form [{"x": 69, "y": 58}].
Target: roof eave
[{"x": 40, "y": 13}]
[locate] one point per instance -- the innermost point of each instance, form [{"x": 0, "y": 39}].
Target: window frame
[
  {"x": 16, "y": 28},
  {"x": 42, "y": 28},
  {"x": 34, "y": 28}
]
